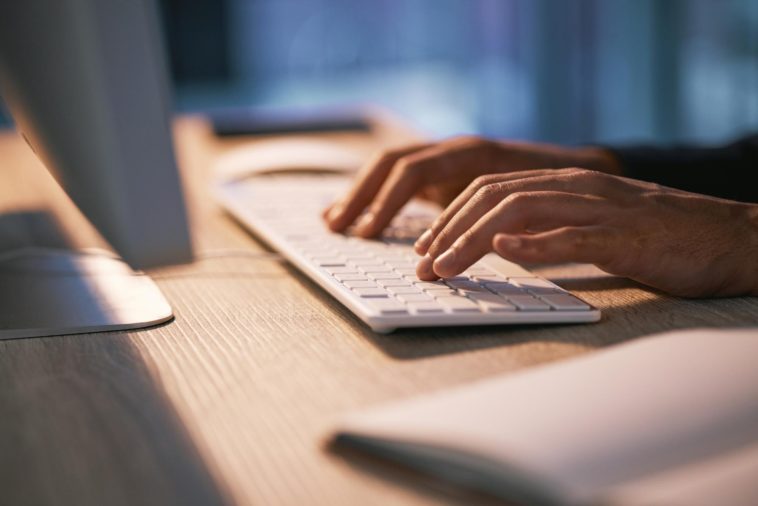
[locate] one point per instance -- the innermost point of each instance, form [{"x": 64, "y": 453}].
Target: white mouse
[{"x": 287, "y": 155}]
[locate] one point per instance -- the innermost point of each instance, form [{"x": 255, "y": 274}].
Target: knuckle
[
  {"x": 438, "y": 226},
  {"x": 582, "y": 240},
  {"x": 595, "y": 178},
  {"x": 594, "y": 175},
  {"x": 440, "y": 243},
  {"x": 578, "y": 240},
  {"x": 467, "y": 238},
  {"x": 385, "y": 156},
  {"x": 481, "y": 181},
  {"x": 577, "y": 173},
  {"x": 409, "y": 166},
  {"x": 488, "y": 194},
  {"x": 482, "y": 146},
  {"x": 468, "y": 141},
  {"x": 465, "y": 242},
  {"x": 516, "y": 199},
  {"x": 443, "y": 237},
  {"x": 485, "y": 196}
]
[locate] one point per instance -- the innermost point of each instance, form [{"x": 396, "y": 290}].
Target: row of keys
[{"x": 392, "y": 287}]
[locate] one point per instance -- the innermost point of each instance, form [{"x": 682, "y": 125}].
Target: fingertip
[
  {"x": 422, "y": 244},
  {"x": 334, "y": 226},
  {"x": 424, "y": 269},
  {"x": 336, "y": 211},
  {"x": 446, "y": 265},
  {"x": 334, "y": 217},
  {"x": 365, "y": 225}
]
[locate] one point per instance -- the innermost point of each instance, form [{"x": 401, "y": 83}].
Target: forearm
[
  {"x": 752, "y": 241},
  {"x": 720, "y": 171}
]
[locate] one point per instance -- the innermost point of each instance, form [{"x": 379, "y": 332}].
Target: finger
[
  {"x": 491, "y": 195},
  {"x": 414, "y": 171},
  {"x": 470, "y": 194},
  {"x": 326, "y": 211},
  {"x": 343, "y": 212},
  {"x": 516, "y": 214},
  {"x": 597, "y": 245}
]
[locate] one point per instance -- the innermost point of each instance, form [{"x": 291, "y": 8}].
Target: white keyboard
[{"x": 376, "y": 279}]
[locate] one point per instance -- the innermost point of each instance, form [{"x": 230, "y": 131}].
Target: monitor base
[{"x": 50, "y": 292}]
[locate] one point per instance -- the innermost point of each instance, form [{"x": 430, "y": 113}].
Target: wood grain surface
[{"x": 233, "y": 401}]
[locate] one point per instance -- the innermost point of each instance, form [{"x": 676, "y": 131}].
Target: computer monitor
[{"x": 86, "y": 83}]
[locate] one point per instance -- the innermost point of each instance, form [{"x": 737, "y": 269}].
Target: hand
[
  {"x": 439, "y": 172},
  {"x": 682, "y": 243}
]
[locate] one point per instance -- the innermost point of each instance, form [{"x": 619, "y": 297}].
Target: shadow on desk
[
  {"x": 443, "y": 492},
  {"x": 34, "y": 227},
  {"x": 630, "y": 310},
  {"x": 90, "y": 406}
]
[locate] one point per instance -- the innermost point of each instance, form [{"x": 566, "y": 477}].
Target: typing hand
[
  {"x": 439, "y": 172},
  {"x": 682, "y": 243}
]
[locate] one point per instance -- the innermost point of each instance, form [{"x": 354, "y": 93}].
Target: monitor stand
[{"x": 50, "y": 292}]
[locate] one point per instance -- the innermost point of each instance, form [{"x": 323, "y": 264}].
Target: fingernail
[
  {"x": 335, "y": 212},
  {"x": 445, "y": 262},
  {"x": 365, "y": 222},
  {"x": 422, "y": 244},
  {"x": 424, "y": 268},
  {"x": 508, "y": 241}
]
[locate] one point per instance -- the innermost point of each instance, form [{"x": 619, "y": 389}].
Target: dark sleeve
[{"x": 724, "y": 171}]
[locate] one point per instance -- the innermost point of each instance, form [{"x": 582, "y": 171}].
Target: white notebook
[{"x": 666, "y": 419}]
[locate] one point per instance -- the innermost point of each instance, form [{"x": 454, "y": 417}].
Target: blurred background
[{"x": 556, "y": 70}]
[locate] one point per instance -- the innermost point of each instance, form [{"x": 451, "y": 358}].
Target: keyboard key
[
  {"x": 415, "y": 297},
  {"x": 359, "y": 262},
  {"x": 565, "y": 302},
  {"x": 490, "y": 278},
  {"x": 536, "y": 285},
  {"x": 504, "y": 288},
  {"x": 383, "y": 275},
  {"x": 401, "y": 264},
  {"x": 431, "y": 285},
  {"x": 459, "y": 304},
  {"x": 322, "y": 252},
  {"x": 469, "y": 293},
  {"x": 393, "y": 282},
  {"x": 527, "y": 303},
  {"x": 371, "y": 292},
  {"x": 349, "y": 277},
  {"x": 436, "y": 293},
  {"x": 407, "y": 271},
  {"x": 366, "y": 269},
  {"x": 477, "y": 270},
  {"x": 330, "y": 262},
  {"x": 425, "y": 307},
  {"x": 400, "y": 261},
  {"x": 386, "y": 306},
  {"x": 465, "y": 284},
  {"x": 454, "y": 278},
  {"x": 340, "y": 270},
  {"x": 491, "y": 303},
  {"x": 362, "y": 283},
  {"x": 403, "y": 289}
]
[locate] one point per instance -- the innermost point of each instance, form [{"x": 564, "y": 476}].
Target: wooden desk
[{"x": 232, "y": 402}]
